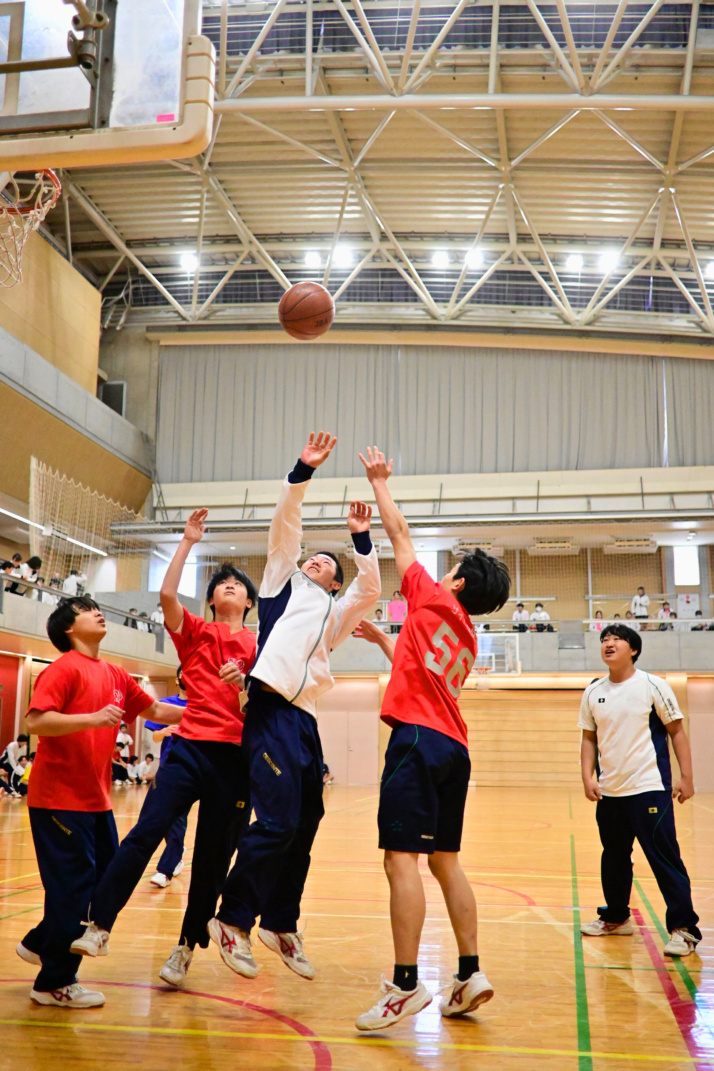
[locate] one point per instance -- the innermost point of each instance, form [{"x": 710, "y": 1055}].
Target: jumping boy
[
  {"x": 426, "y": 773},
  {"x": 628, "y": 719},
  {"x": 299, "y": 622},
  {"x": 205, "y": 761},
  {"x": 76, "y": 708}
]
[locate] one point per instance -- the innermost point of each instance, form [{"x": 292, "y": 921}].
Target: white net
[{"x": 23, "y": 207}]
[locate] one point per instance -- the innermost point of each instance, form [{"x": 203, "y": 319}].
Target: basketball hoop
[{"x": 20, "y": 217}]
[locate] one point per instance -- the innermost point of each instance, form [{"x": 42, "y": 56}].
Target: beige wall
[{"x": 56, "y": 312}]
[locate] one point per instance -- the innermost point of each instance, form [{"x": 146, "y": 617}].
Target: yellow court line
[
  {"x": 367, "y": 1042},
  {"x": 19, "y": 877}
]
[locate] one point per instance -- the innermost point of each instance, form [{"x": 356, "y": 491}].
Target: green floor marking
[
  {"x": 681, "y": 969},
  {"x": 24, "y": 911},
  {"x": 570, "y": 804},
  {"x": 585, "y": 1062}
]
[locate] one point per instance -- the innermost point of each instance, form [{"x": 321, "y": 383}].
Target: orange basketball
[{"x": 306, "y": 310}]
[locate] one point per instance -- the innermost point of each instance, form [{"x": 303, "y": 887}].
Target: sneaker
[
  {"x": 234, "y": 947},
  {"x": 178, "y": 868},
  {"x": 289, "y": 947},
  {"x": 600, "y": 928},
  {"x": 93, "y": 942},
  {"x": 174, "y": 970},
  {"x": 466, "y": 996},
  {"x": 160, "y": 880},
  {"x": 681, "y": 943},
  {"x": 393, "y": 1005},
  {"x": 69, "y": 996},
  {"x": 27, "y": 955}
]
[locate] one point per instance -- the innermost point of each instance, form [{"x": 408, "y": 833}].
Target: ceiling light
[
  {"x": 231, "y": 548},
  {"x": 440, "y": 259},
  {"x": 160, "y": 555},
  {"x": 189, "y": 262},
  {"x": 575, "y": 263},
  {"x": 17, "y": 517},
  {"x": 709, "y": 270},
  {"x": 474, "y": 258},
  {"x": 608, "y": 260},
  {"x": 343, "y": 257},
  {"x": 312, "y": 259},
  {"x": 87, "y": 546}
]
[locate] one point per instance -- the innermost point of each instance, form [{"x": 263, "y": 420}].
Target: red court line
[
  {"x": 684, "y": 1011},
  {"x": 503, "y": 888}
]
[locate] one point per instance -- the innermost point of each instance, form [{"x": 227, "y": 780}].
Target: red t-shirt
[
  {"x": 74, "y": 772},
  {"x": 213, "y": 710},
  {"x": 433, "y": 655}
]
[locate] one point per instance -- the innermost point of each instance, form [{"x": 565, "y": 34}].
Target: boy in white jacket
[{"x": 300, "y": 621}]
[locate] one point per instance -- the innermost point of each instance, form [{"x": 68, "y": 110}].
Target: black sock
[
  {"x": 468, "y": 965},
  {"x": 406, "y": 977}
]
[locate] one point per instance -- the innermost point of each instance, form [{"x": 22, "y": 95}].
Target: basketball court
[{"x": 479, "y": 235}]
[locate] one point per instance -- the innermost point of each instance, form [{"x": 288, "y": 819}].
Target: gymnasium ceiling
[{"x": 499, "y": 163}]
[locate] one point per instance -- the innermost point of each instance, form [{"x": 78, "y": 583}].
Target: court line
[
  {"x": 585, "y": 1062},
  {"x": 366, "y": 1042},
  {"x": 19, "y": 877},
  {"x": 680, "y": 967},
  {"x": 684, "y": 1011}
]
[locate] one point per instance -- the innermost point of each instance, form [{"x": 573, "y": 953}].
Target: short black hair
[
  {"x": 339, "y": 574},
  {"x": 17, "y": 557},
  {"x": 179, "y": 678},
  {"x": 62, "y": 618},
  {"x": 625, "y": 633},
  {"x": 35, "y": 563},
  {"x": 225, "y": 572},
  {"x": 133, "y": 758},
  {"x": 488, "y": 583},
  {"x": 23, "y": 738},
  {"x": 519, "y": 604},
  {"x": 148, "y": 755}
]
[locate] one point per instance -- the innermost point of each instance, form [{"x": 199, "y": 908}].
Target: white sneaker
[
  {"x": 681, "y": 943},
  {"x": 289, "y": 947},
  {"x": 93, "y": 942},
  {"x": 69, "y": 996},
  {"x": 393, "y": 1005},
  {"x": 234, "y": 947},
  {"x": 466, "y": 996},
  {"x": 29, "y": 957},
  {"x": 174, "y": 970},
  {"x": 600, "y": 928},
  {"x": 160, "y": 880},
  {"x": 178, "y": 868}
]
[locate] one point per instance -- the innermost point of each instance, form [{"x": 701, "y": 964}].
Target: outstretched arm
[
  {"x": 193, "y": 533},
  {"x": 378, "y": 472}
]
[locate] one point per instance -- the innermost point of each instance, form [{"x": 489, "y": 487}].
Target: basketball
[{"x": 306, "y": 310}]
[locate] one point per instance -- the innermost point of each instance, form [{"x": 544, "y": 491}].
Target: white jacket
[{"x": 298, "y": 622}]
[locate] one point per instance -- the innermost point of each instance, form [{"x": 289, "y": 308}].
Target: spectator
[
  {"x": 542, "y": 618},
  {"x": 37, "y": 592},
  {"x": 8, "y": 573},
  {"x": 124, "y": 741},
  {"x": 397, "y": 611},
  {"x": 10, "y": 758},
  {"x": 158, "y": 615},
  {"x": 132, "y": 769},
  {"x": 663, "y": 617},
  {"x": 699, "y": 625},
  {"x": 22, "y": 783},
  {"x": 640, "y": 606},
  {"x": 632, "y": 621},
  {"x": 52, "y": 595},
  {"x": 616, "y": 617},
  {"x": 327, "y": 777},
  {"x": 520, "y": 616},
  {"x": 119, "y": 768},
  {"x": 28, "y": 571},
  {"x": 147, "y": 770},
  {"x": 378, "y": 618},
  {"x": 676, "y": 625},
  {"x": 598, "y": 624},
  {"x": 72, "y": 586},
  {"x": 143, "y": 625},
  {"x": 131, "y": 622}
]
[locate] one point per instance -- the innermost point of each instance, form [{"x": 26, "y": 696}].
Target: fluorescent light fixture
[
  {"x": 608, "y": 261},
  {"x": 312, "y": 259},
  {"x": 79, "y": 543},
  {"x": 160, "y": 555},
  {"x": 231, "y": 548},
  {"x": 709, "y": 270},
  {"x": 189, "y": 262},
  {"x": 474, "y": 258},
  {"x": 686, "y": 566},
  {"x": 25, "y": 520},
  {"x": 575, "y": 263},
  {"x": 440, "y": 259},
  {"x": 343, "y": 257}
]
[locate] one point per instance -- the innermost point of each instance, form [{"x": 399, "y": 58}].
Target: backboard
[{"x": 102, "y": 82}]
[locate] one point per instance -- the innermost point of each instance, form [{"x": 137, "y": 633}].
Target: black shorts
[{"x": 423, "y": 791}]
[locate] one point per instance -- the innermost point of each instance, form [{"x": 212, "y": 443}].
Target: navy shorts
[{"x": 423, "y": 792}]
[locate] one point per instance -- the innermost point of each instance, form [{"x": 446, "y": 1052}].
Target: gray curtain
[
  {"x": 242, "y": 413},
  {"x": 690, "y": 411}
]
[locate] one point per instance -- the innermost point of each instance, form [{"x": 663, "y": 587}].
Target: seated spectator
[
  {"x": 640, "y": 606},
  {"x": 28, "y": 571},
  {"x": 632, "y": 621},
  {"x": 147, "y": 769},
  {"x": 598, "y": 624},
  {"x": 616, "y": 617},
  {"x": 327, "y": 777},
  {"x": 10, "y": 758},
  {"x": 542, "y": 618},
  {"x": 378, "y": 618},
  {"x": 397, "y": 611},
  {"x": 16, "y": 781},
  {"x": 131, "y": 622},
  {"x": 72, "y": 586},
  {"x": 676, "y": 625},
  {"x": 158, "y": 615},
  {"x": 698, "y": 625},
  {"x": 520, "y": 616},
  {"x": 132, "y": 769},
  {"x": 22, "y": 783},
  {"x": 663, "y": 616}
]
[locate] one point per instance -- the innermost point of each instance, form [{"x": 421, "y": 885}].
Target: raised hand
[
  {"x": 318, "y": 448},
  {"x": 195, "y": 528},
  {"x": 376, "y": 465},
  {"x": 359, "y": 517}
]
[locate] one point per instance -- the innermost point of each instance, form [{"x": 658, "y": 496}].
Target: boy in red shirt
[
  {"x": 426, "y": 773},
  {"x": 77, "y": 706},
  {"x": 205, "y": 763}
]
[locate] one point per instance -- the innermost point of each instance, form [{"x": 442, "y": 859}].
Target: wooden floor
[{"x": 533, "y": 858}]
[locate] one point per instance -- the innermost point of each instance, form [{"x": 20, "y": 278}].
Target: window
[
  {"x": 429, "y": 559},
  {"x": 686, "y": 567}
]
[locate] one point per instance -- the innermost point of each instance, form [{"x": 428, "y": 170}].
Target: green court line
[
  {"x": 570, "y": 804},
  {"x": 681, "y": 969},
  {"x": 585, "y": 1062},
  {"x": 37, "y": 907}
]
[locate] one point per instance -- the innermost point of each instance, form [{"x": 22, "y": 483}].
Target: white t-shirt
[
  {"x": 540, "y": 615},
  {"x": 124, "y": 742},
  {"x": 632, "y": 741},
  {"x": 158, "y": 617},
  {"x": 145, "y": 768},
  {"x": 663, "y": 614},
  {"x": 71, "y": 585},
  {"x": 521, "y": 615},
  {"x": 640, "y": 605}
]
